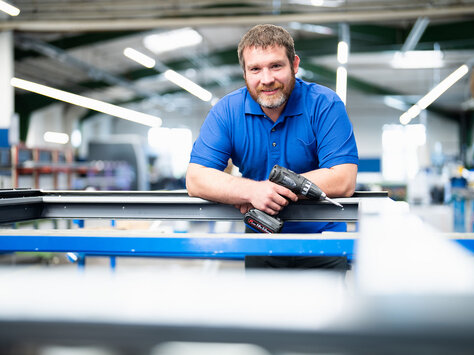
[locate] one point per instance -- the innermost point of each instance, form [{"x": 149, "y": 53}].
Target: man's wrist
[{"x": 243, "y": 189}]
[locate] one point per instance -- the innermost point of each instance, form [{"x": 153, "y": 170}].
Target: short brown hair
[{"x": 264, "y": 36}]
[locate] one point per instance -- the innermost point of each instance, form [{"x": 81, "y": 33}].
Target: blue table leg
[{"x": 113, "y": 263}]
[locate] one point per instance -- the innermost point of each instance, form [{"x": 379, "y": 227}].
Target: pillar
[{"x": 6, "y": 90}]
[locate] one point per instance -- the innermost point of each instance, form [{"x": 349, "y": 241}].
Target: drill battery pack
[{"x": 261, "y": 222}]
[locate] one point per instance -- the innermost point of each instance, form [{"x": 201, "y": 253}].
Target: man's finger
[
  {"x": 272, "y": 208},
  {"x": 244, "y": 209},
  {"x": 281, "y": 201},
  {"x": 283, "y": 191}
]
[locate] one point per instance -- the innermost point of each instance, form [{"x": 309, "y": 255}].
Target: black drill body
[
  {"x": 296, "y": 183},
  {"x": 263, "y": 223}
]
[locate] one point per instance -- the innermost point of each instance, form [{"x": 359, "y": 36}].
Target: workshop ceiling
[{"x": 78, "y": 46}]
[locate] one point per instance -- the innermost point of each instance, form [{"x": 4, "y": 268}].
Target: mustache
[{"x": 269, "y": 88}]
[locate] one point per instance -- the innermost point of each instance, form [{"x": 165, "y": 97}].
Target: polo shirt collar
[
  {"x": 251, "y": 106},
  {"x": 292, "y": 107}
]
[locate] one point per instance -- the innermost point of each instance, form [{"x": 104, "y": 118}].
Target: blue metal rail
[
  {"x": 229, "y": 246},
  {"x": 217, "y": 246}
]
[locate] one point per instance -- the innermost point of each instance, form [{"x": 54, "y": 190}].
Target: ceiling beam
[
  {"x": 415, "y": 34},
  {"x": 70, "y": 42},
  {"x": 365, "y": 38},
  {"x": 176, "y": 22}
]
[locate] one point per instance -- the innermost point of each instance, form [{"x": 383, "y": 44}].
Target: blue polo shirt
[{"x": 312, "y": 132}]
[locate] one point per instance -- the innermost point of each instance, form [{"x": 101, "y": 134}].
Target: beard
[{"x": 272, "y": 101}]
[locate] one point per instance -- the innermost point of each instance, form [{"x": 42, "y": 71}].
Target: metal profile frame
[{"x": 21, "y": 205}]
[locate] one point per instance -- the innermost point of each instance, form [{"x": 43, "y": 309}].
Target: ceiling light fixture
[
  {"x": 92, "y": 104},
  {"x": 342, "y": 58},
  {"x": 172, "y": 40},
  {"x": 436, "y": 92},
  {"x": 139, "y": 57},
  {"x": 169, "y": 74},
  {"x": 324, "y": 30},
  {"x": 56, "y": 137},
  {"x": 322, "y": 3},
  {"x": 341, "y": 83},
  {"x": 342, "y": 52},
  {"x": 417, "y": 60},
  {"x": 188, "y": 85},
  {"x": 9, "y": 9}
]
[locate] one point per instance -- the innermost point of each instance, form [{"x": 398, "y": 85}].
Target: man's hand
[
  {"x": 244, "y": 207},
  {"x": 244, "y": 194},
  {"x": 270, "y": 197}
]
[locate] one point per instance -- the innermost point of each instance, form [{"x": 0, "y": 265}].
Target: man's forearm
[
  {"x": 338, "y": 181},
  {"x": 215, "y": 185}
]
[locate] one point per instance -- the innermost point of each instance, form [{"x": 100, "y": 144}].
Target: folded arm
[{"x": 215, "y": 185}]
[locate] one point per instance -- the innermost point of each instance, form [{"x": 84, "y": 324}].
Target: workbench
[
  {"x": 21, "y": 205},
  {"x": 27, "y": 204}
]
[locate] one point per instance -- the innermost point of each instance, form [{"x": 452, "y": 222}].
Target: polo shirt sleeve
[
  {"x": 335, "y": 136},
  {"x": 212, "y": 148}
]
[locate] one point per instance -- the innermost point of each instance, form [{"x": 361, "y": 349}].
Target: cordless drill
[{"x": 261, "y": 222}]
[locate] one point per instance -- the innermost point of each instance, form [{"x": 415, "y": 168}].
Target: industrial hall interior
[{"x": 254, "y": 177}]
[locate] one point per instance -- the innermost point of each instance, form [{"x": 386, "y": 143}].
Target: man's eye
[
  {"x": 276, "y": 66},
  {"x": 253, "y": 69}
]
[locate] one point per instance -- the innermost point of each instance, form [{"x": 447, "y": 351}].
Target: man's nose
[{"x": 267, "y": 77}]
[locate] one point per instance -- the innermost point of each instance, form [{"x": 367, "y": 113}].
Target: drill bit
[{"x": 333, "y": 202}]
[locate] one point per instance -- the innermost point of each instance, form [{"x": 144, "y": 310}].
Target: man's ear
[{"x": 296, "y": 64}]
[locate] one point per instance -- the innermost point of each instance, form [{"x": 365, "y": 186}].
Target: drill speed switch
[
  {"x": 261, "y": 222},
  {"x": 298, "y": 184}
]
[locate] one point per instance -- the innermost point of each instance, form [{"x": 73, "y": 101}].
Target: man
[{"x": 275, "y": 119}]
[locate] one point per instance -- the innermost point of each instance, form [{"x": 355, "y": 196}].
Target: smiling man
[{"x": 275, "y": 119}]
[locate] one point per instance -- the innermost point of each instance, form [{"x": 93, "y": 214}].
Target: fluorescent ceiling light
[
  {"x": 324, "y": 30},
  {"x": 172, "y": 40},
  {"x": 188, "y": 85},
  {"x": 92, "y": 104},
  {"x": 139, "y": 57},
  {"x": 444, "y": 85},
  {"x": 171, "y": 75},
  {"x": 341, "y": 83},
  {"x": 417, "y": 60},
  {"x": 322, "y": 3},
  {"x": 436, "y": 92},
  {"x": 56, "y": 137},
  {"x": 9, "y": 9},
  {"x": 410, "y": 114},
  {"x": 342, "y": 52}
]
